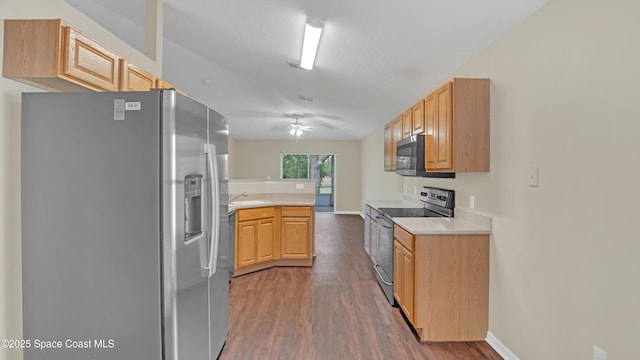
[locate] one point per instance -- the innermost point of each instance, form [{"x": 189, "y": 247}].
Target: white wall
[
  {"x": 259, "y": 159},
  {"x": 376, "y": 184},
  {"x": 565, "y": 255},
  {"x": 10, "y": 98}
]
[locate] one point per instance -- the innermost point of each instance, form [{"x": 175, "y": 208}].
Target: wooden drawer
[
  {"x": 256, "y": 213},
  {"x": 299, "y": 211},
  {"x": 404, "y": 237}
]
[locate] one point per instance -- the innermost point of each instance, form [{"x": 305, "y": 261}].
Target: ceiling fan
[{"x": 296, "y": 129}]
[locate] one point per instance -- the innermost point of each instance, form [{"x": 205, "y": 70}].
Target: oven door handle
[
  {"x": 384, "y": 222},
  {"x": 376, "y": 266}
]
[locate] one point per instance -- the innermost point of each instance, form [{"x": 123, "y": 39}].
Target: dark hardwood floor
[{"x": 333, "y": 310}]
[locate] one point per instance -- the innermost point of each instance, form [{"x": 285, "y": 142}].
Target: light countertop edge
[
  {"x": 465, "y": 221},
  {"x": 440, "y": 226},
  {"x": 266, "y": 203}
]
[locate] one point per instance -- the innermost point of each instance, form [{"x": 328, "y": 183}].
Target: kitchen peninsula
[{"x": 273, "y": 223}]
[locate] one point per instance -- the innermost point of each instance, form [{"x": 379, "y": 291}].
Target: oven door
[{"x": 384, "y": 267}]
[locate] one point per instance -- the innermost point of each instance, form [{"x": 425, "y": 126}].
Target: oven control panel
[{"x": 437, "y": 196}]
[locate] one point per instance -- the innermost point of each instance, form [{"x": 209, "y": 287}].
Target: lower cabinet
[
  {"x": 255, "y": 236},
  {"x": 273, "y": 236},
  {"x": 296, "y": 232},
  {"x": 403, "y": 286},
  {"x": 441, "y": 283}
]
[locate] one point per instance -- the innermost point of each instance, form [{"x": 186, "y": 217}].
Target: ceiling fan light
[
  {"x": 312, "y": 33},
  {"x": 298, "y": 132},
  {"x": 292, "y": 131}
]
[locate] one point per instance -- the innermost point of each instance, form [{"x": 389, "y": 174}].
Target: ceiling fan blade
[{"x": 312, "y": 116}]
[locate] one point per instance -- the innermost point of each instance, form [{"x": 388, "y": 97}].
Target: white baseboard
[{"x": 500, "y": 348}]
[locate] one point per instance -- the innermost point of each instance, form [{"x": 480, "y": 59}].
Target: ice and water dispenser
[{"x": 193, "y": 207}]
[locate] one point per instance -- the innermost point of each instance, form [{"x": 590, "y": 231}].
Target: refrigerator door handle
[{"x": 215, "y": 201}]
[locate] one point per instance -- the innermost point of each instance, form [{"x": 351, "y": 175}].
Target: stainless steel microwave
[{"x": 410, "y": 158}]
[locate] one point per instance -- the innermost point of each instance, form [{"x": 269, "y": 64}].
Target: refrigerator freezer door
[
  {"x": 186, "y": 285},
  {"x": 91, "y": 226}
]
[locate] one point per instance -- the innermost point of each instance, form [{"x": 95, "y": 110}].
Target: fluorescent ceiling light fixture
[{"x": 312, "y": 32}]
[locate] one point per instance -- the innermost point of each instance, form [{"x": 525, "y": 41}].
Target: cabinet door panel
[
  {"x": 418, "y": 118},
  {"x": 407, "y": 285},
  {"x": 431, "y": 134},
  {"x": 89, "y": 62},
  {"x": 396, "y": 135},
  {"x": 388, "y": 153},
  {"x": 266, "y": 237},
  {"x": 246, "y": 245},
  {"x": 444, "y": 111},
  {"x": 397, "y": 273},
  {"x": 295, "y": 238},
  {"x": 407, "y": 123},
  {"x": 135, "y": 78}
]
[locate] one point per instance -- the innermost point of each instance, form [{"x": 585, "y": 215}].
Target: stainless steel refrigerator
[{"x": 125, "y": 249}]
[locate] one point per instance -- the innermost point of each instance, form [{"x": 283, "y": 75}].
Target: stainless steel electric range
[{"x": 437, "y": 203}]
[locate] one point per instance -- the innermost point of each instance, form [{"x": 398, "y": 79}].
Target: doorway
[{"x": 313, "y": 166}]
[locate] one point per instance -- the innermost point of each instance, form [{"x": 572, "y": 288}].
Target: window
[{"x": 314, "y": 167}]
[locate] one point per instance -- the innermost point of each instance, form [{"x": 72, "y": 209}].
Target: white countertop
[
  {"x": 465, "y": 221},
  {"x": 440, "y": 226},
  {"x": 247, "y": 204}
]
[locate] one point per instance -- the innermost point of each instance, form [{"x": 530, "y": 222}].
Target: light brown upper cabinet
[
  {"x": 430, "y": 131},
  {"x": 396, "y": 135},
  {"x": 135, "y": 78},
  {"x": 407, "y": 123},
  {"x": 418, "y": 118},
  {"x": 455, "y": 120},
  {"x": 460, "y": 127},
  {"x": 443, "y": 127},
  {"x": 387, "y": 147},
  {"x": 53, "y": 56}
]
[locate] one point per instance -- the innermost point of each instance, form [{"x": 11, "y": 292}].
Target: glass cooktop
[{"x": 408, "y": 212}]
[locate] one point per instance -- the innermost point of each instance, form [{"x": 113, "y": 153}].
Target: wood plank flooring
[{"x": 333, "y": 310}]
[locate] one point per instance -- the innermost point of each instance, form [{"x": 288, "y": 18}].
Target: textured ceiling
[{"x": 375, "y": 59}]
